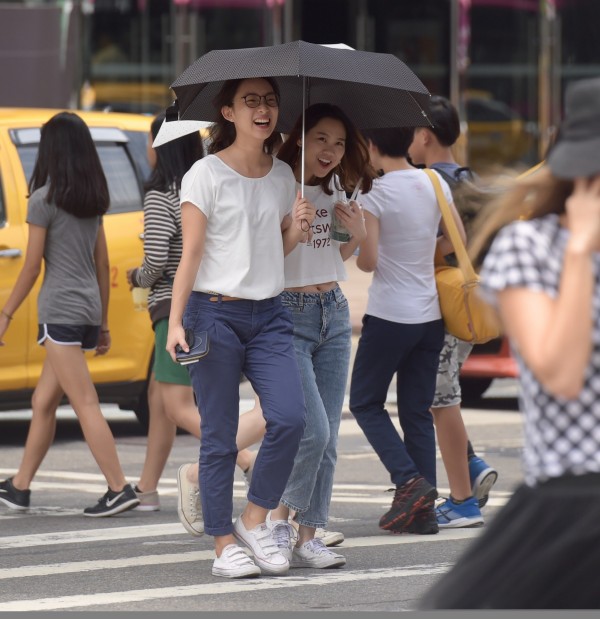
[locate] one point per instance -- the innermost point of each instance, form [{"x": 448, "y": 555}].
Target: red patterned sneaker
[{"x": 415, "y": 495}]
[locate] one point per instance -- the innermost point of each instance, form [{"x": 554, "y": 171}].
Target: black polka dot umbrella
[{"x": 375, "y": 90}]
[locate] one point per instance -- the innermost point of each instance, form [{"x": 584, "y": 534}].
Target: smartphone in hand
[{"x": 198, "y": 344}]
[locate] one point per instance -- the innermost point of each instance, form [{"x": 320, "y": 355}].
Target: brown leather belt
[{"x": 222, "y": 297}]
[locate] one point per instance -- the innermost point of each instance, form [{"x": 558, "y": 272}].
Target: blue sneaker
[
  {"x": 451, "y": 515},
  {"x": 483, "y": 477}
]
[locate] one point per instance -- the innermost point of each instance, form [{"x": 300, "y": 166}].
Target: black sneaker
[
  {"x": 113, "y": 503},
  {"x": 424, "y": 522},
  {"x": 13, "y": 497},
  {"x": 413, "y": 496}
]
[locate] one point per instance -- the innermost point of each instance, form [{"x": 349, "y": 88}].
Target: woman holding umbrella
[
  {"x": 234, "y": 203},
  {"x": 335, "y": 159}
]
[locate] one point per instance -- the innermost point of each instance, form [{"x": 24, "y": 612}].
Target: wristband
[{"x": 104, "y": 331}]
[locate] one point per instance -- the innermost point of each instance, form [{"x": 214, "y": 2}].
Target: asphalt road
[{"x": 52, "y": 558}]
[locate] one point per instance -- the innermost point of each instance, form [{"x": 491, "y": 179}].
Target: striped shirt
[{"x": 162, "y": 250}]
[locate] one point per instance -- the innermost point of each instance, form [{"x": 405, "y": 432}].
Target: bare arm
[
  {"x": 554, "y": 336},
  {"x": 297, "y": 227},
  {"x": 367, "y": 257},
  {"x": 27, "y": 277},
  {"x": 354, "y": 221},
  {"x": 103, "y": 276},
  {"x": 193, "y": 228}
]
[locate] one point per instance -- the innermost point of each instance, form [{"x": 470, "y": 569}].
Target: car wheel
[{"x": 473, "y": 388}]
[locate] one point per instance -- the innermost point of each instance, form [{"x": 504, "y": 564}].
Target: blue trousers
[
  {"x": 254, "y": 338},
  {"x": 322, "y": 339},
  {"x": 412, "y": 352}
]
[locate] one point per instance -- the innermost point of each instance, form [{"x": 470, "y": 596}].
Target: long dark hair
[
  {"x": 222, "y": 132},
  {"x": 68, "y": 163},
  {"x": 173, "y": 159},
  {"x": 355, "y": 162}
]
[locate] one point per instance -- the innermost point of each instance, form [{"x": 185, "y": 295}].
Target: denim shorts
[{"x": 85, "y": 336}]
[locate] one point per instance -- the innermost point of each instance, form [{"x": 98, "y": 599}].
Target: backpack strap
[
  {"x": 456, "y": 177},
  {"x": 459, "y": 248}
]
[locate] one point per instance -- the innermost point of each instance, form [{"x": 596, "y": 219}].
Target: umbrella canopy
[
  {"x": 173, "y": 130},
  {"x": 375, "y": 90}
]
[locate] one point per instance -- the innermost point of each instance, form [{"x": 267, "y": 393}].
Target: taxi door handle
[
  {"x": 141, "y": 236},
  {"x": 10, "y": 253}
]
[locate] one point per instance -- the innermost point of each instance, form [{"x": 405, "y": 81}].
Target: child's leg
[
  {"x": 161, "y": 434},
  {"x": 72, "y": 373},
  {"x": 45, "y": 400}
]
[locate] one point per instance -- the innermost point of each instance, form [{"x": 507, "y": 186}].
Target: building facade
[{"x": 504, "y": 63}]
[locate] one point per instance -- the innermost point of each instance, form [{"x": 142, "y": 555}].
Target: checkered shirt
[{"x": 561, "y": 436}]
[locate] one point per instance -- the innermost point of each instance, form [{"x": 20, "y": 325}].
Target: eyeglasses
[{"x": 272, "y": 100}]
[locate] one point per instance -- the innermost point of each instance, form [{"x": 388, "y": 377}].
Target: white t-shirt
[
  {"x": 403, "y": 287},
  {"x": 321, "y": 261},
  {"x": 243, "y": 252}
]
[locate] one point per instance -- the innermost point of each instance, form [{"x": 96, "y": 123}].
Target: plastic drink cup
[
  {"x": 140, "y": 298},
  {"x": 339, "y": 232}
]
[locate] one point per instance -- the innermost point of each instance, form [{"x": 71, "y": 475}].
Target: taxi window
[
  {"x": 123, "y": 182},
  {"x": 137, "y": 145}
]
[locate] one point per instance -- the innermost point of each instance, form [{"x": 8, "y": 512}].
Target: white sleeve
[{"x": 198, "y": 187}]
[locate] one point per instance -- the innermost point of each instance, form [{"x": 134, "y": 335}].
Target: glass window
[
  {"x": 123, "y": 184},
  {"x": 121, "y": 174}
]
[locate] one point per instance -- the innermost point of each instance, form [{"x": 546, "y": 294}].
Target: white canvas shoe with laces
[
  {"x": 283, "y": 535},
  {"x": 315, "y": 554},
  {"x": 234, "y": 563},
  {"x": 330, "y": 538},
  {"x": 189, "y": 507}
]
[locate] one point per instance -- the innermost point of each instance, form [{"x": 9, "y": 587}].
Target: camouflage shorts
[{"x": 447, "y": 386}]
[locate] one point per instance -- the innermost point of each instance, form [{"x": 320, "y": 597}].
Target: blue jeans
[
  {"x": 253, "y": 337},
  {"x": 412, "y": 352},
  {"x": 322, "y": 339}
]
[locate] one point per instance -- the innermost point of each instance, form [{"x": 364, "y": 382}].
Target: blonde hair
[{"x": 531, "y": 195}]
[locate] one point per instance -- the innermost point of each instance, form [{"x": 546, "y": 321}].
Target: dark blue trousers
[
  {"x": 256, "y": 338},
  {"x": 412, "y": 352}
]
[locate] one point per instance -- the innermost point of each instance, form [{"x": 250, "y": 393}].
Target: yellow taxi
[{"x": 121, "y": 375}]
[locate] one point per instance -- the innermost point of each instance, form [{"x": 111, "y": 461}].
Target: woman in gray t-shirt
[{"x": 68, "y": 197}]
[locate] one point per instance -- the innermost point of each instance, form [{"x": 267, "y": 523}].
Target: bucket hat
[{"x": 577, "y": 148}]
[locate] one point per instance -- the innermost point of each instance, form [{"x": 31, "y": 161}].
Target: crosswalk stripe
[
  {"x": 163, "y": 530},
  {"x": 91, "y": 535},
  {"x": 114, "y": 598}
]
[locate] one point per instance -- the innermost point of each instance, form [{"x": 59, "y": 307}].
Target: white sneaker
[
  {"x": 329, "y": 538},
  {"x": 189, "y": 508},
  {"x": 234, "y": 563},
  {"x": 314, "y": 553},
  {"x": 260, "y": 541},
  {"x": 283, "y": 534}
]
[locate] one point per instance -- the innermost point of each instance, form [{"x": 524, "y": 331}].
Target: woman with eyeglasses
[{"x": 240, "y": 216}]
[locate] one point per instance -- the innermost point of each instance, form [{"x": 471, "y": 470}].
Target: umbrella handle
[{"x": 303, "y": 136}]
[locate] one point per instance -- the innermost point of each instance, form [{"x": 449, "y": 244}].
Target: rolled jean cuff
[
  {"x": 298, "y": 517},
  {"x": 219, "y": 531}
]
